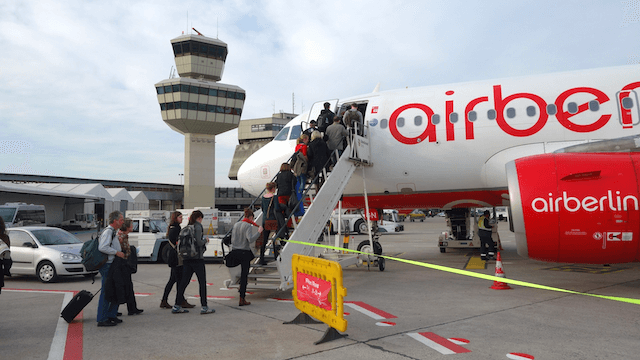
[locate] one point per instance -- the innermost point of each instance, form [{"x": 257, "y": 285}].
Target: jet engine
[{"x": 576, "y": 207}]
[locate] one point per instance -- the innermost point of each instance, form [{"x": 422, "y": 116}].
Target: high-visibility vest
[{"x": 481, "y": 224}]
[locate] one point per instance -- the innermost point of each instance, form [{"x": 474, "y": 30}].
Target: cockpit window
[
  {"x": 295, "y": 132},
  {"x": 282, "y": 135}
]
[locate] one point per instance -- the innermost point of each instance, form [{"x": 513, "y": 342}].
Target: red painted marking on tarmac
[
  {"x": 372, "y": 309},
  {"x": 438, "y": 343},
  {"x": 75, "y": 339},
  {"x": 346, "y": 313},
  {"x": 143, "y": 294},
  {"x": 215, "y": 297},
  {"x": 458, "y": 341},
  {"x": 519, "y": 356},
  {"x": 386, "y": 323}
]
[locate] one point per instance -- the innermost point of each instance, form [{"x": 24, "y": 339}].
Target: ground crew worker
[{"x": 484, "y": 232}]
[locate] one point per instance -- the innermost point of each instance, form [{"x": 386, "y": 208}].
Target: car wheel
[
  {"x": 361, "y": 227},
  {"x": 164, "y": 254},
  {"x": 47, "y": 272}
]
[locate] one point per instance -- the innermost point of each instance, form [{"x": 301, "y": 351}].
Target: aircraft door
[
  {"x": 319, "y": 106},
  {"x": 628, "y": 109}
]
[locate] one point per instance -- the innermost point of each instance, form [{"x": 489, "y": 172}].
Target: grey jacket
[
  {"x": 243, "y": 236},
  {"x": 336, "y": 133}
]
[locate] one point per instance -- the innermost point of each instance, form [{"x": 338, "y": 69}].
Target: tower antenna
[{"x": 293, "y": 103}]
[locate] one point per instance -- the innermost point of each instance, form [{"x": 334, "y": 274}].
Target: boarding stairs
[{"x": 278, "y": 275}]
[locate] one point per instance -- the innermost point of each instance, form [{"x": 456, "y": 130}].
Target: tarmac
[{"x": 404, "y": 312}]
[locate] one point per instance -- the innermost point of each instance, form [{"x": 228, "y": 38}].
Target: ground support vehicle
[
  {"x": 47, "y": 252},
  {"x": 80, "y": 221},
  {"x": 358, "y": 223},
  {"x": 463, "y": 231},
  {"x": 417, "y": 215}
]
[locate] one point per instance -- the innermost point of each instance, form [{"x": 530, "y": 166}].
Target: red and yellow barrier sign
[{"x": 318, "y": 290}]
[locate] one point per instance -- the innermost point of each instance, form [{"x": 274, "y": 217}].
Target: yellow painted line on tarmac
[
  {"x": 475, "y": 274},
  {"x": 476, "y": 263}
]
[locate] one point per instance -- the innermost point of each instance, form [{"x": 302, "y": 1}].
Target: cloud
[{"x": 78, "y": 76}]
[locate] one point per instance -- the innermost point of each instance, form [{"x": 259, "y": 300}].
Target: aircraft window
[
  {"x": 531, "y": 111},
  {"x": 435, "y": 119},
  {"x": 282, "y": 135},
  {"x": 551, "y": 109},
  {"x": 572, "y": 107},
  {"x": 295, "y": 132},
  {"x": 417, "y": 120},
  {"x": 627, "y": 103},
  {"x": 491, "y": 114},
  {"x": 383, "y": 123},
  {"x": 400, "y": 122},
  {"x": 594, "y": 105},
  {"x": 453, "y": 118},
  {"x": 511, "y": 113},
  {"x": 473, "y": 116}
]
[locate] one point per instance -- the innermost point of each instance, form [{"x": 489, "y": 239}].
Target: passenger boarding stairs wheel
[{"x": 365, "y": 247}]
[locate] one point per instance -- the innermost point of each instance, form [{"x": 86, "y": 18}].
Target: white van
[{"x": 22, "y": 214}]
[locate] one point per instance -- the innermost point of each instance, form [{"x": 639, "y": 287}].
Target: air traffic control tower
[{"x": 198, "y": 106}]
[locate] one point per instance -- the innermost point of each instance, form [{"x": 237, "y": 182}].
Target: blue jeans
[
  {"x": 106, "y": 309},
  {"x": 300, "y": 184}
]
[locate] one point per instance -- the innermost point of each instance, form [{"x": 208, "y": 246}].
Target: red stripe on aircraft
[{"x": 457, "y": 199}]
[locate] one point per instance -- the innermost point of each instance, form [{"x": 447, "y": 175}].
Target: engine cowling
[{"x": 576, "y": 207}]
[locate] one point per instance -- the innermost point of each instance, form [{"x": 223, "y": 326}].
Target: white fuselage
[{"x": 457, "y": 138}]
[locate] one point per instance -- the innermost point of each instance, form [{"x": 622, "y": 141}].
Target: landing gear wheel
[
  {"x": 381, "y": 263},
  {"x": 366, "y": 248},
  {"x": 47, "y": 272},
  {"x": 361, "y": 227}
]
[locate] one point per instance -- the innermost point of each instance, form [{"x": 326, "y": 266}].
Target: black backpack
[{"x": 187, "y": 247}]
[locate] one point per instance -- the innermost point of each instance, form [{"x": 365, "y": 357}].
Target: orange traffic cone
[{"x": 498, "y": 285}]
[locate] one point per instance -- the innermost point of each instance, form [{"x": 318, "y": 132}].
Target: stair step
[{"x": 264, "y": 276}]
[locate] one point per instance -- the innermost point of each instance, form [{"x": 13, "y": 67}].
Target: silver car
[{"x": 47, "y": 252}]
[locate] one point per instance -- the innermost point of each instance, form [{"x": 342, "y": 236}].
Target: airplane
[{"x": 560, "y": 149}]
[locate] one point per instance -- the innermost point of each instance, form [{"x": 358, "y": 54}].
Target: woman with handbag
[
  {"x": 242, "y": 238},
  {"x": 175, "y": 263},
  {"x": 270, "y": 219},
  {"x": 123, "y": 237}
]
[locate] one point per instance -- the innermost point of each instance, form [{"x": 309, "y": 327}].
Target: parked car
[
  {"x": 46, "y": 252},
  {"x": 417, "y": 215}
]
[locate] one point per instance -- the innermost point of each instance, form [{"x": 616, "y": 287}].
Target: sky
[{"x": 77, "y": 77}]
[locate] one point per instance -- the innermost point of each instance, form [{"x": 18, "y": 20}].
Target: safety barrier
[{"x": 318, "y": 292}]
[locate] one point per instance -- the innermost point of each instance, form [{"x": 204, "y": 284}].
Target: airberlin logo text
[
  {"x": 588, "y": 203},
  {"x": 500, "y": 104}
]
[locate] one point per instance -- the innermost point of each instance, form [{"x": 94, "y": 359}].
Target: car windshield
[
  {"x": 158, "y": 225},
  {"x": 55, "y": 237}
]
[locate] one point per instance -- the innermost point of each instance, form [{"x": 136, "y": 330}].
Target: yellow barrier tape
[{"x": 476, "y": 275}]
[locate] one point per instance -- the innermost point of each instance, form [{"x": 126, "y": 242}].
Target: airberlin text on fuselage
[
  {"x": 500, "y": 104},
  {"x": 588, "y": 203}
]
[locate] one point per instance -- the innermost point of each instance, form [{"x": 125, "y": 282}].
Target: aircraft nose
[{"x": 248, "y": 176}]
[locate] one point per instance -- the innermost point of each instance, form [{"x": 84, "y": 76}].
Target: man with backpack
[
  {"x": 108, "y": 311},
  {"x": 325, "y": 118}
]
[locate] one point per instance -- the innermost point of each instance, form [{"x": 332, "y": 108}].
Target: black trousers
[
  {"x": 188, "y": 268},
  {"x": 175, "y": 278},
  {"x": 486, "y": 242},
  {"x": 263, "y": 247},
  {"x": 245, "y": 257}
]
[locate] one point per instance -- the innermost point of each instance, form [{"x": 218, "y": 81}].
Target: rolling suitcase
[{"x": 79, "y": 301}]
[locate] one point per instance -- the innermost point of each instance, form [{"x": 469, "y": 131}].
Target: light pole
[{"x": 181, "y": 175}]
